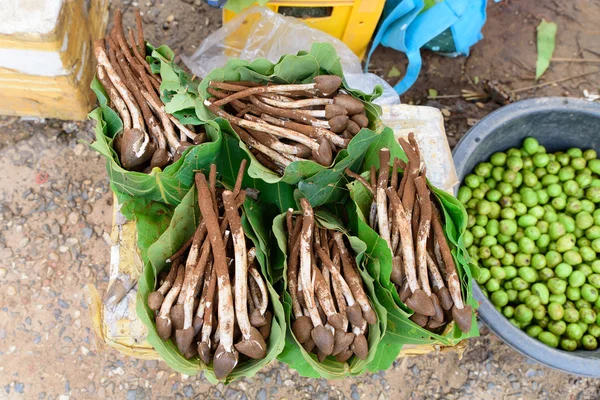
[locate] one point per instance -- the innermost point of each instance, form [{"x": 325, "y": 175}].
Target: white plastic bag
[{"x": 261, "y": 32}]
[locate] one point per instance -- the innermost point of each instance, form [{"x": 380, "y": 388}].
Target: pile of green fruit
[{"x": 534, "y": 229}]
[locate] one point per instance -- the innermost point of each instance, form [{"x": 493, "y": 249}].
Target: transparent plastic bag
[{"x": 261, "y": 32}]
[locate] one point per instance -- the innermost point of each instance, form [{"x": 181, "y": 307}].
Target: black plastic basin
[{"x": 558, "y": 123}]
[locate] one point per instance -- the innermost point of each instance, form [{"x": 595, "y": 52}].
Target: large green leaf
[
  {"x": 400, "y": 329},
  {"x": 294, "y": 354},
  {"x": 181, "y": 228},
  {"x": 546, "y": 40}
]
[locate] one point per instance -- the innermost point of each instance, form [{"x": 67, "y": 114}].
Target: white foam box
[{"x": 46, "y": 60}]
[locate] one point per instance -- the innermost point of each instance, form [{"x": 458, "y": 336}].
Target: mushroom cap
[
  {"x": 130, "y": 145},
  {"x": 327, "y": 84},
  {"x": 361, "y": 120},
  {"x": 257, "y": 319},
  {"x": 352, "y": 105},
  {"x": 439, "y": 311},
  {"x": 352, "y": 127},
  {"x": 204, "y": 352},
  {"x": 370, "y": 316},
  {"x": 324, "y": 154},
  {"x": 445, "y": 298},
  {"x": 333, "y": 110},
  {"x": 184, "y": 338},
  {"x": 338, "y": 123},
  {"x": 360, "y": 347},
  {"x": 344, "y": 355},
  {"x": 155, "y": 300},
  {"x": 420, "y": 303},
  {"x": 419, "y": 319},
  {"x": 164, "y": 327},
  {"x": 342, "y": 340},
  {"x": 177, "y": 316},
  {"x": 197, "y": 323},
  {"x": 265, "y": 330},
  {"x": 354, "y": 314},
  {"x": 323, "y": 339},
  {"x": 320, "y": 355},
  {"x": 463, "y": 317},
  {"x": 160, "y": 158},
  {"x": 309, "y": 345},
  {"x": 301, "y": 328},
  {"x": 336, "y": 320},
  {"x": 254, "y": 346},
  {"x": 404, "y": 292},
  {"x": 224, "y": 362},
  {"x": 433, "y": 324}
]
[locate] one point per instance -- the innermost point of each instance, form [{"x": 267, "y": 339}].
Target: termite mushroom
[
  {"x": 333, "y": 317},
  {"x": 197, "y": 305},
  {"x": 409, "y": 221},
  {"x": 149, "y": 138},
  {"x": 282, "y": 124}
]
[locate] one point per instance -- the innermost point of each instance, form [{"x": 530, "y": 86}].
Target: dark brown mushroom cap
[
  {"x": 463, "y": 318},
  {"x": 301, "y": 328},
  {"x": 352, "y": 105},
  {"x": 191, "y": 352},
  {"x": 360, "y": 347},
  {"x": 118, "y": 143},
  {"x": 332, "y": 110},
  {"x": 309, "y": 345},
  {"x": 445, "y": 298},
  {"x": 344, "y": 356},
  {"x": 439, "y": 311},
  {"x": 327, "y": 84},
  {"x": 256, "y": 319},
  {"x": 370, "y": 316},
  {"x": 336, "y": 320},
  {"x": 164, "y": 327},
  {"x": 320, "y": 355},
  {"x": 255, "y": 347},
  {"x": 324, "y": 154},
  {"x": 361, "y": 120},
  {"x": 354, "y": 314},
  {"x": 155, "y": 300},
  {"x": 224, "y": 362},
  {"x": 128, "y": 157},
  {"x": 323, "y": 339},
  {"x": 338, "y": 124},
  {"x": 197, "y": 323},
  {"x": 265, "y": 330},
  {"x": 342, "y": 340},
  {"x": 177, "y": 316},
  {"x": 204, "y": 352},
  {"x": 352, "y": 127},
  {"x": 433, "y": 324},
  {"x": 160, "y": 158},
  {"x": 404, "y": 292},
  {"x": 419, "y": 319},
  {"x": 184, "y": 338},
  {"x": 420, "y": 303}
]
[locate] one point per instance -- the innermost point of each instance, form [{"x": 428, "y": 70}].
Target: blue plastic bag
[{"x": 450, "y": 27}]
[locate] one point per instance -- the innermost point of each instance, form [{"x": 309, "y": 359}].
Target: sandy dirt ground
[{"x": 55, "y": 204}]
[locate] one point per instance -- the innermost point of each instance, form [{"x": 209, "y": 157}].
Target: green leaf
[
  {"x": 181, "y": 228},
  {"x": 432, "y": 93},
  {"x": 237, "y": 6},
  {"x": 546, "y": 38},
  {"x": 294, "y": 354},
  {"x": 394, "y": 72}
]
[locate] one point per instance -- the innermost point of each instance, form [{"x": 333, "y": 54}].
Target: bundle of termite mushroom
[
  {"x": 407, "y": 217},
  {"x": 286, "y": 123},
  {"x": 150, "y": 137},
  {"x": 196, "y": 304},
  {"x": 330, "y": 308}
]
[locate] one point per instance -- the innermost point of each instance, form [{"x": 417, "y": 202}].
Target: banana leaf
[
  {"x": 294, "y": 354},
  {"x": 181, "y": 228},
  {"x": 400, "y": 329},
  {"x": 318, "y": 183}
]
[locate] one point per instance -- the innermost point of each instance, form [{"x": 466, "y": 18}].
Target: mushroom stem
[
  {"x": 114, "y": 97},
  {"x": 205, "y": 345},
  {"x": 163, "y": 320},
  {"x": 269, "y": 152},
  {"x": 226, "y": 359},
  {"x": 423, "y": 234},
  {"x": 354, "y": 280},
  {"x": 295, "y": 115},
  {"x": 296, "y": 103},
  {"x": 270, "y": 141},
  {"x": 263, "y": 127},
  {"x": 306, "y": 262},
  {"x": 141, "y": 43},
  {"x": 156, "y": 298},
  {"x": 310, "y": 131},
  {"x": 260, "y": 283},
  {"x": 359, "y": 178},
  {"x": 292, "y": 262},
  {"x": 381, "y": 199},
  {"x": 164, "y": 118}
]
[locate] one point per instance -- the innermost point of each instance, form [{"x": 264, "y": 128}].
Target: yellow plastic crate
[
  {"x": 351, "y": 21},
  {"x": 46, "y": 56}
]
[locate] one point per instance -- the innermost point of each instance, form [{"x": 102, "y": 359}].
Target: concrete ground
[{"x": 55, "y": 204}]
